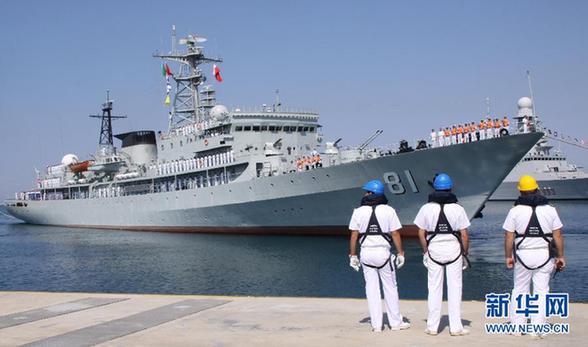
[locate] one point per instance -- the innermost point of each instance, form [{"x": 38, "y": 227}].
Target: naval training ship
[
  {"x": 240, "y": 171},
  {"x": 557, "y": 179}
]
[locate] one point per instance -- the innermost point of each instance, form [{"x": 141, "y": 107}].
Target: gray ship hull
[
  {"x": 315, "y": 201},
  {"x": 569, "y": 189}
]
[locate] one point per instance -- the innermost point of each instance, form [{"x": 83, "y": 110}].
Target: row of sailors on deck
[
  {"x": 196, "y": 163},
  {"x": 165, "y": 186},
  {"x": 309, "y": 162},
  {"x": 192, "y": 182},
  {"x": 469, "y": 132}
]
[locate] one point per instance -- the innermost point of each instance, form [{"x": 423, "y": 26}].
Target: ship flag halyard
[{"x": 166, "y": 73}]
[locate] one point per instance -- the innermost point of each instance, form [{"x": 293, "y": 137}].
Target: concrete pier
[{"x": 89, "y": 319}]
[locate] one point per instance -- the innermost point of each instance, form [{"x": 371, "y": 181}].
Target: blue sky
[{"x": 404, "y": 67}]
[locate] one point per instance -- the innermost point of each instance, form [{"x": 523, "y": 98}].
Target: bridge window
[
  {"x": 239, "y": 128},
  {"x": 299, "y": 129},
  {"x": 305, "y": 129},
  {"x": 287, "y": 129},
  {"x": 256, "y": 128},
  {"x": 278, "y": 128},
  {"x": 247, "y": 128},
  {"x": 264, "y": 128},
  {"x": 272, "y": 128}
]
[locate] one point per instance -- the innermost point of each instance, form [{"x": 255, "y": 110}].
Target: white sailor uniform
[
  {"x": 533, "y": 261},
  {"x": 375, "y": 225},
  {"x": 444, "y": 255}
]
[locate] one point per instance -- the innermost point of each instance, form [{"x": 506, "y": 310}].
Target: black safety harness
[
  {"x": 534, "y": 230},
  {"x": 374, "y": 229},
  {"x": 443, "y": 227}
]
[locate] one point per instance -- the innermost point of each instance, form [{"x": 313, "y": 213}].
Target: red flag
[
  {"x": 216, "y": 72},
  {"x": 168, "y": 70}
]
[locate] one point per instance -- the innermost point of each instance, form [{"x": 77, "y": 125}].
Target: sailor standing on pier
[
  {"x": 533, "y": 239},
  {"x": 444, "y": 239},
  {"x": 376, "y": 225}
]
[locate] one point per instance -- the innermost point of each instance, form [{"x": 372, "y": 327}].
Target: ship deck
[{"x": 88, "y": 319}]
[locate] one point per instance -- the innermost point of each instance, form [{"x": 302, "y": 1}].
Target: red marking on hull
[{"x": 406, "y": 231}]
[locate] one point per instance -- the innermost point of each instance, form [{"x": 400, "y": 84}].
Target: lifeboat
[{"x": 81, "y": 166}]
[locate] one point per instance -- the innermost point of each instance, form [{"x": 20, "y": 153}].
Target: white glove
[
  {"x": 465, "y": 263},
  {"x": 426, "y": 260},
  {"x": 354, "y": 262},
  {"x": 399, "y": 261}
]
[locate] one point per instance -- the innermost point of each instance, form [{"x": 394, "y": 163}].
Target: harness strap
[
  {"x": 533, "y": 230},
  {"x": 374, "y": 228},
  {"x": 444, "y": 227},
  {"x": 381, "y": 266}
]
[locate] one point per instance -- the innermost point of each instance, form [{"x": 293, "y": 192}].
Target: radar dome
[
  {"x": 525, "y": 102},
  {"x": 219, "y": 112},
  {"x": 69, "y": 159}
]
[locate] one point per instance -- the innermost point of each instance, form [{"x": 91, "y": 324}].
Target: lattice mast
[
  {"x": 187, "y": 106},
  {"x": 105, "y": 140}
]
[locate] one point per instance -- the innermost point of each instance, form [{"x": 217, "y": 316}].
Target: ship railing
[
  {"x": 436, "y": 140},
  {"x": 166, "y": 184},
  {"x": 272, "y": 109},
  {"x": 180, "y": 181}
]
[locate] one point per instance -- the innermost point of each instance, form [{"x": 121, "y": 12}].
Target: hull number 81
[{"x": 396, "y": 184}]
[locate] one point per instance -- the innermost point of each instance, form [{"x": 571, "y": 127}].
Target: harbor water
[{"x": 41, "y": 258}]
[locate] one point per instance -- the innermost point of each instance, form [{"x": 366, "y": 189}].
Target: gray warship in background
[
  {"x": 239, "y": 171},
  {"x": 557, "y": 178}
]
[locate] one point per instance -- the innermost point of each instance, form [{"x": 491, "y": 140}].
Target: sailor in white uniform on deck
[
  {"x": 533, "y": 238},
  {"x": 443, "y": 236},
  {"x": 440, "y": 137},
  {"x": 376, "y": 225}
]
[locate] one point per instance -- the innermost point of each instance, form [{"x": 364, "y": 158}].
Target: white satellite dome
[
  {"x": 69, "y": 159},
  {"x": 219, "y": 112},
  {"x": 525, "y": 102}
]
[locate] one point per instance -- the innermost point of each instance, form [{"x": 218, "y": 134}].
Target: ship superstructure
[
  {"x": 266, "y": 169},
  {"x": 557, "y": 178}
]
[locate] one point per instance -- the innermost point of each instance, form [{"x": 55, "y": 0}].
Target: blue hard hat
[
  {"x": 442, "y": 182},
  {"x": 375, "y": 186}
]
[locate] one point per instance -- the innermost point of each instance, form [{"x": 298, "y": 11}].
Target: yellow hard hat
[{"x": 527, "y": 183}]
